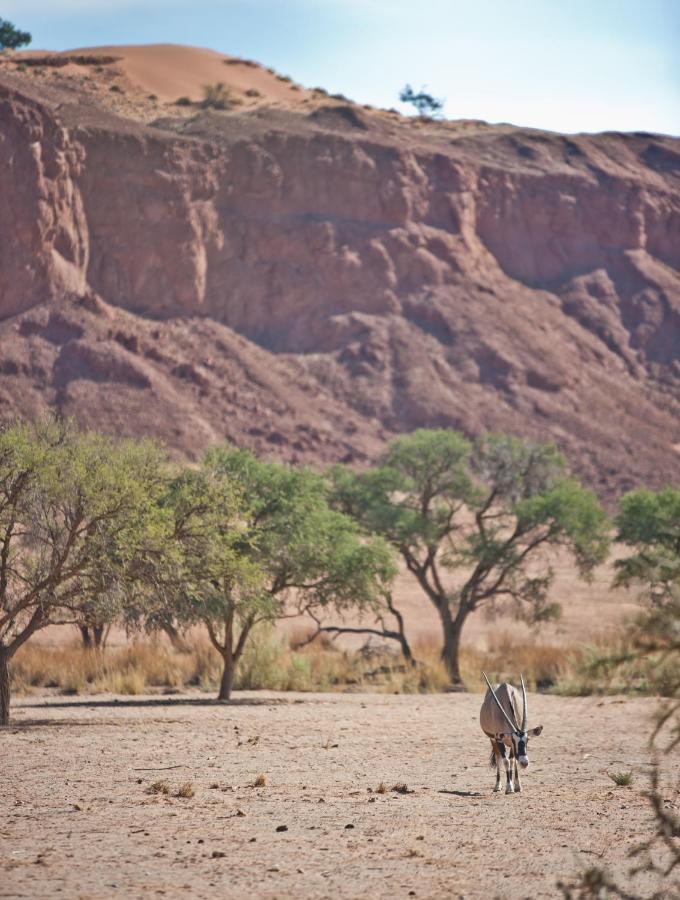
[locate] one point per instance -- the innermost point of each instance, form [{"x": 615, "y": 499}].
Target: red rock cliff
[{"x": 309, "y": 280}]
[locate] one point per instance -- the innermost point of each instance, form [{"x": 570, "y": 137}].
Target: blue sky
[{"x": 574, "y": 65}]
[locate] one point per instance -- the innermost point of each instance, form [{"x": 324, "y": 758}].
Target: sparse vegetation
[
  {"x": 183, "y": 101},
  {"x": 259, "y": 781},
  {"x": 159, "y": 787},
  {"x": 401, "y": 788},
  {"x": 270, "y": 663},
  {"x": 622, "y": 779},
  {"x": 185, "y": 791},
  {"x": 218, "y": 96},
  {"x": 236, "y": 61}
]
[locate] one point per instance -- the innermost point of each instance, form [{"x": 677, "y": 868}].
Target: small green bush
[
  {"x": 622, "y": 779},
  {"x": 217, "y": 96}
]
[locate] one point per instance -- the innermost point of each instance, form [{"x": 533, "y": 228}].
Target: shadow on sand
[
  {"x": 145, "y": 702},
  {"x": 141, "y": 703},
  {"x": 462, "y": 793}
]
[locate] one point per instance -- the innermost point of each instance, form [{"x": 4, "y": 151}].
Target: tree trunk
[
  {"x": 227, "y": 682},
  {"x": 406, "y": 651},
  {"x": 98, "y": 632},
  {"x": 4, "y": 687},
  {"x": 453, "y": 629},
  {"x": 85, "y": 634}
]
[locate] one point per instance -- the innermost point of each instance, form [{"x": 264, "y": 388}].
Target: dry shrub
[
  {"x": 544, "y": 665},
  {"x": 218, "y": 96},
  {"x": 260, "y": 780},
  {"x": 159, "y": 787},
  {"x": 619, "y": 668},
  {"x": 185, "y": 791}
]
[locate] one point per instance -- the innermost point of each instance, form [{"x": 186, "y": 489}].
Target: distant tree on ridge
[
  {"x": 11, "y": 38},
  {"x": 425, "y": 104}
]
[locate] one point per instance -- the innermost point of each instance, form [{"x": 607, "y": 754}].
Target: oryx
[{"x": 498, "y": 717}]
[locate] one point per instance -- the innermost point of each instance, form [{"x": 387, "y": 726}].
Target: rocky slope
[{"x": 307, "y": 277}]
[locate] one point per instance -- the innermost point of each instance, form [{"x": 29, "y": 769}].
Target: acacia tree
[
  {"x": 650, "y": 523},
  {"x": 11, "y": 38},
  {"x": 424, "y": 103},
  {"x": 73, "y": 509},
  {"x": 252, "y": 537},
  {"x": 487, "y": 511}
]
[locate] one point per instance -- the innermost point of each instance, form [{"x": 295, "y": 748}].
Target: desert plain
[{"x": 78, "y": 817}]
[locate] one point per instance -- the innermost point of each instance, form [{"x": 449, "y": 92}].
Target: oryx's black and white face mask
[{"x": 519, "y": 741}]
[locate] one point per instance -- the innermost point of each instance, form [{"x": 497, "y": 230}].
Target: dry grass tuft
[
  {"x": 260, "y": 781},
  {"x": 382, "y": 788},
  {"x": 185, "y": 791},
  {"x": 401, "y": 788},
  {"x": 159, "y": 787}
]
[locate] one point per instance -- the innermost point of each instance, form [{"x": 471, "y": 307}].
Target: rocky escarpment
[{"x": 384, "y": 273}]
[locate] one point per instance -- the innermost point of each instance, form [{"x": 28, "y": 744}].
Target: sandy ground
[{"x": 76, "y": 819}]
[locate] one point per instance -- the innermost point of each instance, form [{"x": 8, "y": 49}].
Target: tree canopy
[
  {"x": 485, "y": 510},
  {"x": 649, "y": 523},
  {"x": 11, "y": 37},
  {"x": 424, "y": 103},
  {"x": 74, "y": 511},
  {"x": 251, "y": 539}
]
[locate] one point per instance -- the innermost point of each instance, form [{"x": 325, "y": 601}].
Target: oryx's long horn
[
  {"x": 524, "y": 704},
  {"x": 512, "y": 725}
]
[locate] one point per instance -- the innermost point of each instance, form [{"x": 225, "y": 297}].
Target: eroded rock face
[{"x": 400, "y": 274}]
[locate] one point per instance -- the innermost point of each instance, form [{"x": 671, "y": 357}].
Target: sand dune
[{"x": 171, "y": 70}]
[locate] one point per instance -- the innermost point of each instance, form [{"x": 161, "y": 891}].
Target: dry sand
[
  {"x": 76, "y": 819},
  {"x": 170, "y": 71}
]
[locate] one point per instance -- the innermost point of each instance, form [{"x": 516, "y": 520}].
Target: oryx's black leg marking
[
  {"x": 497, "y": 757},
  {"x": 508, "y": 767},
  {"x": 518, "y": 783}
]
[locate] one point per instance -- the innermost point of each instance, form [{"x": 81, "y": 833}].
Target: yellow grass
[{"x": 270, "y": 663}]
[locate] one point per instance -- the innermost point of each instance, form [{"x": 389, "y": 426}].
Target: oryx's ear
[{"x": 536, "y": 731}]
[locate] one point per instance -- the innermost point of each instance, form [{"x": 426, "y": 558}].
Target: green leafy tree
[
  {"x": 258, "y": 539},
  {"x": 74, "y": 508},
  {"x": 487, "y": 511},
  {"x": 650, "y": 523},
  {"x": 12, "y": 38}
]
